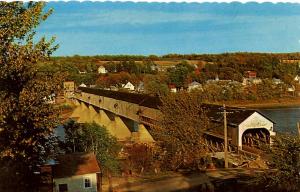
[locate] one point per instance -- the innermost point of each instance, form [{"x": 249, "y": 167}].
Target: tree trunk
[{"x": 110, "y": 186}]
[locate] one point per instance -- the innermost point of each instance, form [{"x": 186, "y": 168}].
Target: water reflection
[{"x": 285, "y": 118}]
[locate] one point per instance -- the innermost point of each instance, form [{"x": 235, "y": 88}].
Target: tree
[
  {"x": 143, "y": 158},
  {"x": 91, "y": 137},
  {"x": 179, "y": 74},
  {"x": 154, "y": 85},
  {"x": 26, "y": 119},
  {"x": 181, "y": 130},
  {"x": 284, "y": 160}
]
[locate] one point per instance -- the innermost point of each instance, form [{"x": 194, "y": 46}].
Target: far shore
[{"x": 278, "y": 103}]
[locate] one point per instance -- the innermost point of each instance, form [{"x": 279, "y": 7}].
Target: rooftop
[{"x": 75, "y": 164}]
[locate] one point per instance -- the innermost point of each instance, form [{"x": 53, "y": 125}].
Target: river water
[{"x": 285, "y": 118}]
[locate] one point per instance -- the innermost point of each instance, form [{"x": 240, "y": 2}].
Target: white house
[
  {"x": 277, "y": 81},
  {"x": 297, "y": 78},
  {"x": 78, "y": 172},
  {"x": 141, "y": 87},
  {"x": 291, "y": 88},
  {"x": 129, "y": 86},
  {"x": 256, "y": 81},
  {"x": 194, "y": 85},
  {"x": 82, "y": 72},
  {"x": 248, "y": 81},
  {"x": 82, "y": 85},
  {"x": 102, "y": 70},
  {"x": 172, "y": 88}
]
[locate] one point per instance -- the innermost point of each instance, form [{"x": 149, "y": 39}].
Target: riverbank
[
  {"x": 231, "y": 179},
  {"x": 274, "y": 103}
]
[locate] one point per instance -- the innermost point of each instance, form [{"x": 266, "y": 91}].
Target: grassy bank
[{"x": 273, "y": 103}]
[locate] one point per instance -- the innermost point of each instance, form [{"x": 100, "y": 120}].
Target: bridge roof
[
  {"x": 235, "y": 115},
  {"x": 140, "y": 99}
]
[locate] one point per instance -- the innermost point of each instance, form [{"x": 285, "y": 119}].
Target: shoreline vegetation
[{"x": 272, "y": 103}]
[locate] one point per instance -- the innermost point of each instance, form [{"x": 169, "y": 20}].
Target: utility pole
[
  {"x": 225, "y": 137},
  {"x": 298, "y": 127}
]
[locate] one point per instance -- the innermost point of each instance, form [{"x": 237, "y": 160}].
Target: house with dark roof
[{"x": 77, "y": 172}]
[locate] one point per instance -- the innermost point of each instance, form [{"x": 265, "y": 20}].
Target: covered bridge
[{"x": 246, "y": 127}]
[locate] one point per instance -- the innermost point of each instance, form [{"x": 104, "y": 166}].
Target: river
[{"x": 285, "y": 118}]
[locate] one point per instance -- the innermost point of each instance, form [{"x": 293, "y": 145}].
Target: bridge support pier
[
  {"x": 144, "y": 135},
  {"x": 114, "y": 125},
  {"x": 123, "y": 128}
]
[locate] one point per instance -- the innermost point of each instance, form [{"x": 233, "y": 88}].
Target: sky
[{"x": 110, "y": 28}]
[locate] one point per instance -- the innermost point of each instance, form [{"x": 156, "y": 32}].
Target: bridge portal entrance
[{"x": 255, "y": 138}]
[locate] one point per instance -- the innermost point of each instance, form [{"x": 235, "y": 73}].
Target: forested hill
[
  {"x": 193, "y": 67},
  {"x": 239, "y": 56}
]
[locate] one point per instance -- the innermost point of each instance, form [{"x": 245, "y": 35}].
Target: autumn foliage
[
  {"x": 27, "y": 121},
  {"x": 181, "y": 130}
]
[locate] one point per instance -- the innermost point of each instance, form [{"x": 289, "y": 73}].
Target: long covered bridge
[{"x": 129, "y": 117}]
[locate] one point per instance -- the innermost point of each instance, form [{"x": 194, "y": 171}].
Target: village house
[
  {"x": 82, "y": 72},
  {"x": 77, "y": 172},
  {"x": 82, "y": 85},
  {"x": 277, "y": 81},
  {"x": 256, "y": 81},
  {"x": 140, "y": 87},
  {"x": 154, "y": 67},
  {"x": 172, "y": 88},
  {"x": 50, "y": 99},
  {"x": 290, "y": 61},
  {"x": 128, "y": 86},
  {"x": 194, "y": 85},
  {"x": 217, "y": 80},
  {"x": 250, "y": 77},
  {"x": 250, "y": 74},
  {"x": 297, "y": 79},
  {"x": 69, "y": 88},
  {"x": 102, "y": 70}
]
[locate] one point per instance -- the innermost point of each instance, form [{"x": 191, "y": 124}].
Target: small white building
[
  {"x": 194, "y": 85},
  {"x": 82, "y": 85},
  {"x": 172, "y": 88},
  {"x": 78, "y": 172},
  {"x": 82, "y": 72},
  {"x": 140, "y": 87},
  {"x": 291, "y": 88},
  {"x": 129, "y": 86},
  {"x": 102, "y": 70},
  {"x": 277, "y": 81},
  {"x": 249, "y": 81},
  {"x": 256, "y": 81},
  {"x": 297, "y": 79}
]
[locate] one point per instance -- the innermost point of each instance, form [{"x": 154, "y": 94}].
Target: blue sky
[{"x": 96, "y": 28}]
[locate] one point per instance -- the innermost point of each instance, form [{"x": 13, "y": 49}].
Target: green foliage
[
  {"x": 26, "y": 120},
  {"x": 155, "y": 85},
  {"x": 222, "y": 92},
  {"x": 179, "y": 74},
  {"x": 91, "y": 137},
  {"x": 286, "y": 72},
  {"x": 284, "y": 160}
]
